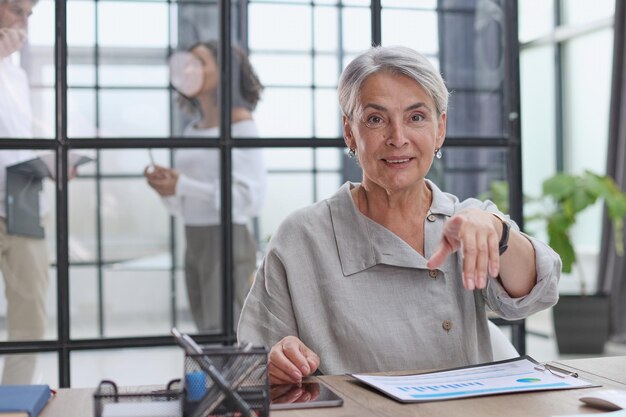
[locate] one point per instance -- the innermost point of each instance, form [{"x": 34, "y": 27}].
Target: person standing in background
[
  {"x": 192, "y": 188},
  {"x": 24, "y": 260}
]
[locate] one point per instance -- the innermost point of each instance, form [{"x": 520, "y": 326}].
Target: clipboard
[
  {"x": 23, "y": 186},
  {"x": 522, "y": 374}
]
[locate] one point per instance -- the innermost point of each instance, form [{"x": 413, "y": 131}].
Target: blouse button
[
  {"x": 431, "y": 218},
  {"x": 433, "y": 273},
  {"x": 447, "y": 325}
]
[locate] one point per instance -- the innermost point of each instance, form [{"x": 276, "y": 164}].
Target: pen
[
  {"x": 563, "y": 371},
  {"x": 151, "y": 157}
]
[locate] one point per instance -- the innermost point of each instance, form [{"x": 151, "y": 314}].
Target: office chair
[{"x": 500, "y": 345}]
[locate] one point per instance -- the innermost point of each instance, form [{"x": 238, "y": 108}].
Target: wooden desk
[{"x": 364, "y": 402}]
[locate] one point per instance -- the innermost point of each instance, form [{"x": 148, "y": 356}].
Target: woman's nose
[{"x": 395, "y": 135}]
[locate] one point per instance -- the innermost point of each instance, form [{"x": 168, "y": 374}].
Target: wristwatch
[{"x": 503, "y": 245}]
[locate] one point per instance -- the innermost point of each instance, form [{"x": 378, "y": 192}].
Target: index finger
[
  {"x": 291, "y": 350},
  {"x": 443, "y": 251}
]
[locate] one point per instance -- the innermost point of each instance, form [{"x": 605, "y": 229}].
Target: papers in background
[
  {"x": 515, "y": 375},
  {"x": 74, "y": 159}
]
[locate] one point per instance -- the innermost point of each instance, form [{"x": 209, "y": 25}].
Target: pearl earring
[{"x": 438, "y": 153}]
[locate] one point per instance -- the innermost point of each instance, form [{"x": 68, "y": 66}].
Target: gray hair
[{"x": 396, "y": 60}]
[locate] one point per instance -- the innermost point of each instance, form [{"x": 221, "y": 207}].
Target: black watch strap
[{"x": 503, "y": 245}]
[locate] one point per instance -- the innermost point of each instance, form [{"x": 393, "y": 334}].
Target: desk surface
[{"x": 610, "y": 372}]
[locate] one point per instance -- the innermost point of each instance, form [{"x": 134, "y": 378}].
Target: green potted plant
[{"x": 581, "y": 321}]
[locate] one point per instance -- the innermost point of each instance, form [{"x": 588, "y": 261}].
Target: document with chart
[{"x": 515, "y": 375}]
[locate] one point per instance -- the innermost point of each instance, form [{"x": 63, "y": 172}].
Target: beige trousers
[{"x": 24, "y": 264}]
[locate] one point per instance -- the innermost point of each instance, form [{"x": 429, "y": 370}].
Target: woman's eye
[{"x": 374, "y": 120}]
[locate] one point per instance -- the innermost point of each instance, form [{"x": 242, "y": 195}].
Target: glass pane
[
  {"x": 43, "y": 120},
  {"x": 422, "y": 4},
  {"x": 581, "y": 11},
  {"x": 268, "y": 24},
  {"x": 134, "y": 75},
  {"x": 81, "y": 109},
  {"x": 329, "y": 158},
  {"x": 288, "y": 159},
  {"x": 126, "y": 367},
  {"x": 472, "y": 51},
  {"x": 285, "y": 113},
  {"x": 472, "y": 60},
  {"x": 44, "y": 368},
  {"x": 138, "y": 113},
  {"x": 117, "y": 24},
  {"x": 365, "y": 3},
  {"x": 132, "y": 162},
  {"x": 327, "y": 71},
  {"x": 279, "y": 1},
  {"x": 469, "y": 172},
  {"x": 81, "y": 18},
  {"x": 536, "y": 18},
  {"x": 294, "y": 69},
  {"x": 327, "y": 114},
  {"x": 537, "y": 94},
  {"x": 475, "y": 114},
  {"x": 85, "y": 304},
  {"x": 83, "y": 202},
  {"x": 415, "y": 29},
  {"x": 356, "y": 29},
  {"x": 586, "y": 126},
  {"x": 281, "y": 204},
  {"x": 583, "y": 153},
  {"x": 137, "y": 301},
  {"x": 131, "y": 230},
  {"x": 80, "y": 74},
  {"x": 326, "y": 30}
]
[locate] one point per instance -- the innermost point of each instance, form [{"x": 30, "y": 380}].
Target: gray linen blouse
[{"x": 364, "y": 300}]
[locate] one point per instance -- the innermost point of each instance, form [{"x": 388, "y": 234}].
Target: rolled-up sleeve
[{"x": 543, "y": 295}]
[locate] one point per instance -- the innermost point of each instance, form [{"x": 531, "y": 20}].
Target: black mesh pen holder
[
  {"x": 163, "y": 402},
  {"x": 226, "y": 381}
]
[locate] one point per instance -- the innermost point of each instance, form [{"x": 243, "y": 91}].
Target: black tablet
[{"x": 305, "y": 395}]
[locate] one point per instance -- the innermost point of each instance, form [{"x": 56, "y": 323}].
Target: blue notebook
[{"x": 23, "y": 400}]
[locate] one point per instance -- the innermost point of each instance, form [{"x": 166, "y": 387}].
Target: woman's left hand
[{"x": 476, "y": 234}]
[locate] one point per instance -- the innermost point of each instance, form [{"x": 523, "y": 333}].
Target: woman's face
[
  {"x": 210, "y": 70},
  {"x": 395, "y": 130}
]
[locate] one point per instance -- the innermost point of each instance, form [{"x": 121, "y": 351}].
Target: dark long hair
[{"x": 245, "y": 84}]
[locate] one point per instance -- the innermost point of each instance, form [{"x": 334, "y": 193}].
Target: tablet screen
[{"x": 306, "y": 395}]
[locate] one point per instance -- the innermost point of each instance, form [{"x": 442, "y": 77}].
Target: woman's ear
[
  {"x": 441, "y": 129},
  {"x": 348, "y": 137}
]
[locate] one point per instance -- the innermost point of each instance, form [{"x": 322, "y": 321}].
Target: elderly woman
[{"x": 392, "y": 273}]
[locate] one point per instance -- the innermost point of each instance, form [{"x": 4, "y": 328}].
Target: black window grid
[{"x": 64, "y": 344}]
